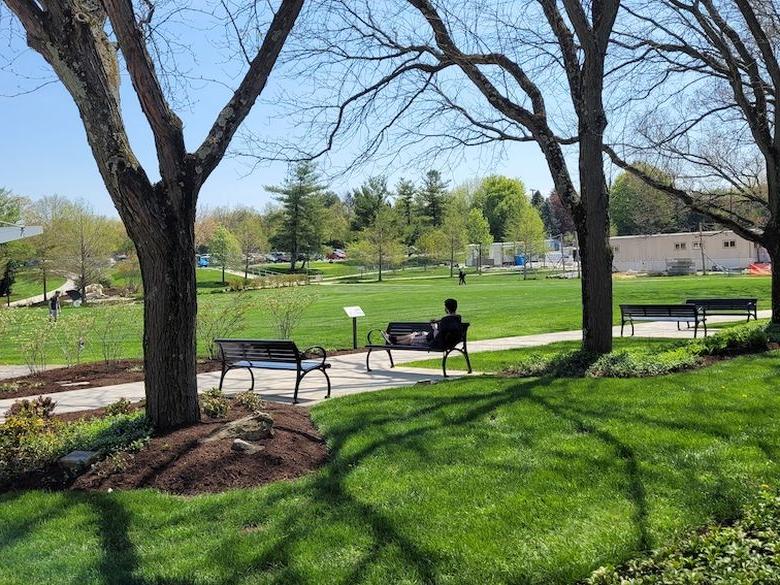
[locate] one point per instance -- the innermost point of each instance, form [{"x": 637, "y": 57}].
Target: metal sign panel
[{"x": 354, "y": 312}]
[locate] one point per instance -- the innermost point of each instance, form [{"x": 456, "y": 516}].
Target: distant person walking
[
  {"x": 54, "y": 306},
  {"x": 461, "y": 277}
]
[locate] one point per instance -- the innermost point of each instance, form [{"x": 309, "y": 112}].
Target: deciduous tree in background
[
  {"x": 491, "y": 198},
  {"x": 81, "y": 42},
  {"x": 379, "y": 245},
  {"x": 224, "y": 248},
  {"x": 479, "y": 233},
  {"x": 454, "y": 227}
]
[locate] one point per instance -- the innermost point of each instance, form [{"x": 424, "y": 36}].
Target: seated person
[{"x": 445, "y": 332}]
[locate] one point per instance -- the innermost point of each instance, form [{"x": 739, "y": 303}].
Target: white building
[{"x": 711, "y": 250}]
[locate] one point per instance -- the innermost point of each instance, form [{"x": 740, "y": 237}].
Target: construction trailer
[{"x": 713, "y": 250}]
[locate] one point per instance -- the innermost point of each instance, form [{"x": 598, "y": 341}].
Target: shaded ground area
[
  {"x": 477, "y": 480},
  {"x": 92, "y": 375}
]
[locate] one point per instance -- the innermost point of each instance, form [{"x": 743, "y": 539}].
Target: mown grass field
[
  {"x": 496, "y": 306},
  {"x": 28, "y": 284},
  {"x": 481, "y": 480}
]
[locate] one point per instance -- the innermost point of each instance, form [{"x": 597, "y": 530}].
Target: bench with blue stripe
[{"x": 271, "y": 354}]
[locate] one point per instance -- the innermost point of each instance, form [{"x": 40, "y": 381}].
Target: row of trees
[
  {"x": 76, "y": 242},
  {"x": 378, "y": 226}
]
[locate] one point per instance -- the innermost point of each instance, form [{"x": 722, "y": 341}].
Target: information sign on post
[{"x": 354, "y": 312}]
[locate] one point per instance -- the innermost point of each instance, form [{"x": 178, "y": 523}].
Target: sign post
[{"x": 354, "y": 312}]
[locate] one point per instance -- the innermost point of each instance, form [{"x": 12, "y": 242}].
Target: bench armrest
[
  {"x": 314, "y": 351},
  {"x": 378, "y": 332}
]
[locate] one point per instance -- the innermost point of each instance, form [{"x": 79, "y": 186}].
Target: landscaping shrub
[
  {"x": 41, "y": 407},
  {"x": 216, "y": 320},
  {"x": 745, "y": 552},
  {"x": 250, "y": 401},
  {"x": 286, "y": 309},
  {"x": 121, "y": 406},
  {"x": 640, "y": 362},
  {"x": 213, "y": 403},
  {"x": 30, "y": 443},
  {"x": 747, "y": 338}
]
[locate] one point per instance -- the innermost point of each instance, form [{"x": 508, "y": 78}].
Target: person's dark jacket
[{"x": 450, "y": 332}]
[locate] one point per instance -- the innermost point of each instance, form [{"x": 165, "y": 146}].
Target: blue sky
[{"x": 44, "y": 150}]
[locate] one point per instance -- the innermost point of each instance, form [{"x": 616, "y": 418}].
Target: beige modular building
[{"x": 656, "y": 253}]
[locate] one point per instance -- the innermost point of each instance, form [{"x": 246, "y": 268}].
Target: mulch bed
[
  {"x": 92, "y": 375},
  {"x": 178, "y": 462}
]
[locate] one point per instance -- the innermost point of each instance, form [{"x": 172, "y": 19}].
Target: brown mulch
[
  {"x": 178, "y": 462},
  {"x": 94, "y": 374}
]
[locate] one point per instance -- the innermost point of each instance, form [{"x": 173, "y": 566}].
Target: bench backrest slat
[
  {"x": 268, "y": 350},
  {"x": 660, "y": 310},
  {"x": 726, "y": 304}
]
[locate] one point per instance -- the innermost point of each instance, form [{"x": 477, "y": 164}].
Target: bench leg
[
  {"x": 468, "y": 361},
  {"x": 222, "y": 379},
  {"x": 325, "y": 372},
  {"x": 632, "y": 328},
  {"x": 696, "y": 330},
  {"x": 298, "y": 379},
  {"x": 622, "y": 324},
  {"x": 704, "y": 322},
  {"x": 444, "y": 363},
  {"x": 678, "y": 325},
  {"x": 390, "y": 355},
  {"x": 252, "y": 375},
  {"x": 368, "y": 355}
]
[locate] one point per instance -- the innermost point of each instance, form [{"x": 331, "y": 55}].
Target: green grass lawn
[
  {"x": 496, "y": 306},
  {"x": 497, "y": 361},
  {"x": 481, "y": 480},
  {"x": 28, "y": 284}
]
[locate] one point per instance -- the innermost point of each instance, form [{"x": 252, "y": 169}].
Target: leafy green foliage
[
  {"x": 213, "y": 403},
  {"x": 249, "y": 400},
  {"x": 121, "y": 406},
  {"x": 30, "y": 443},
  {"x": 40, "y": 407},
  {"x": 739, "y": 554}
]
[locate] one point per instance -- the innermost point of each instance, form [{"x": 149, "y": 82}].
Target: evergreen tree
[
  {"x": 367, "y": 200},
  {"x": 537, "y": 200},
  {"x": 432, "y": 197},
  {"x": 299, "y": 230},
  {"x": 404, "y": 201}
]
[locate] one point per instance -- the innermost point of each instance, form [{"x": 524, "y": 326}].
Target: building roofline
[{"x": 678, "y": 234}]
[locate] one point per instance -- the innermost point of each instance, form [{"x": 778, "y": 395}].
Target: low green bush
[
  {"x": 213, "y": 403},
  {"x": 249, "y": 400},
  {"x": 745, "y": 552},
  {"x": 121, "y": 406},
  {"x": 638, "y": 362},
  {"x": 29, "y": 443},
  {"x": 41, "y": 407}
]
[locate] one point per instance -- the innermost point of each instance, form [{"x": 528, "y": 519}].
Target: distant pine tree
[
  {"x": 300, "y": 196},
  {"x": 432, "y": 197}
]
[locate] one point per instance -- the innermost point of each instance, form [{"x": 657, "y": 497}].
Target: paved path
[
  {"x": 69, "y": 284},
  {"x": 348, "y": 374}
]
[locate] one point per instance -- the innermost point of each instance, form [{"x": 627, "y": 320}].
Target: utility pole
[{"x": 701, "y": 249}]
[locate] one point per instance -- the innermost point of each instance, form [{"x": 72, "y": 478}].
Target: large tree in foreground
[{"x": 81, "y": 41}]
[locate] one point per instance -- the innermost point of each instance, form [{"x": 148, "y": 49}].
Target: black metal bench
[
  {"x": 398, "y": 328},
  {"x": 675, "y": 313},
  {"x": 735, "y": 307},
  {"x": 271, "y": 355}
]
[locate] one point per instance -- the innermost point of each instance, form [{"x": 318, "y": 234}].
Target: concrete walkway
[
  {"x": 69, "y": 284},
  {"x": 348, "y": 373}
]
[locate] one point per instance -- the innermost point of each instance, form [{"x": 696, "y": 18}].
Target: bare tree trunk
[
  {"x": 167, "y": 259},
  {"x": 43, "y": 274},
  {"x": 452, "y": 257}
]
